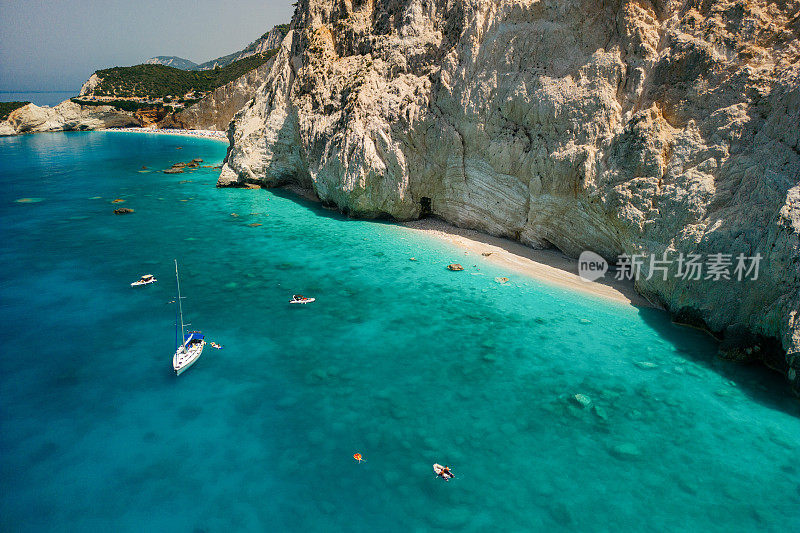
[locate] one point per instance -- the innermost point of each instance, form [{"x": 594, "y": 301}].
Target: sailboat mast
[{"x": 180, "y": 307}]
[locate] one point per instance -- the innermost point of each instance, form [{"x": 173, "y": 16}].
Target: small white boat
[
  {"x": 144, "y": 280},
  {"x": 300, "y": 299},
  {"x": 193, "y": 342}
]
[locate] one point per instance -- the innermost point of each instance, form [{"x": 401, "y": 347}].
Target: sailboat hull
[{"x": 186, "y": 356}]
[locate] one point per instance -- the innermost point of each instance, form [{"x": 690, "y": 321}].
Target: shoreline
[
  {"x": 548, "y": 266},
  {"x": 551, "y": 267},
  {"x": 205, "y": 134}
]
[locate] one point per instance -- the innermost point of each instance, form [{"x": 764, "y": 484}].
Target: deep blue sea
[
  {"x": 402, "y": 361},
  {"x": 40, "y": 98}
]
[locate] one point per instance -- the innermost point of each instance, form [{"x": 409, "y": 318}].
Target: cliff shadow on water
[
  {"x": 752, "y": 378},
  {"x": 307, "y": 198}
]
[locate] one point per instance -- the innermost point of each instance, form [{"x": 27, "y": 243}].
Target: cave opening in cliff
[{"x": 425, "y": 207}]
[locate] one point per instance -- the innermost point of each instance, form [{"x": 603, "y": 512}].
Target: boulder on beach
[
  {"x": 123, "y": 211},
  {"x": 455, "y": 267}
]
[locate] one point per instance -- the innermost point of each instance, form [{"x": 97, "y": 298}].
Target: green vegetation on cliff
[
  {"x": 123, "y": 105},
  {"x": 159, "y": 81},
  {"x": 7, "y": 107}
]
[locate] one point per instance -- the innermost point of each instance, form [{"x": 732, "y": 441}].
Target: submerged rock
[
  {"x": 123, "y": 211},
  {"x": 178, "y": 170},
  {"x": 600, "y": 412},
  {"x": 559, "y": 512},
  {"x": 582, "y": 400},
  {"x": 501, "y": 280},
  {"x": 625, "y": 450},
  {"x": 455, "y": 267}
]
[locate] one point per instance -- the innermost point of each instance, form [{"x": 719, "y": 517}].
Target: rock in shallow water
[
  {"x": 582, "y": 400},
  {"x": 625, "y": 450}
]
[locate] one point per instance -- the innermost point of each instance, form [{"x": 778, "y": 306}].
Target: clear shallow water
[
  {"x": 404, "y": 362},
  {"x": 40, "y": 98}
]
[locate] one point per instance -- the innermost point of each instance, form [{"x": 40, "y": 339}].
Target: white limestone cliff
[
  {"x": 66, "y": 116},
  {"x": 88, "y": 87},
  {"x": 619, "y": 126}
]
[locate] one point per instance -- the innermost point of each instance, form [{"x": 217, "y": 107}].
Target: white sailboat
[{"x": 193, "y": 342}]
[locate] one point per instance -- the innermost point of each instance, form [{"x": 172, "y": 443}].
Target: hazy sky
[{"x": 56, "y": 45}]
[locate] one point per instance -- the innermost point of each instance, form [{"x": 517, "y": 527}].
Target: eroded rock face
[
  {"x": 638, "y": 127},
  {"x": 215, "y": 111},
  {"x": 66, "y": 116},
  {"x": 88, "y": 87}
]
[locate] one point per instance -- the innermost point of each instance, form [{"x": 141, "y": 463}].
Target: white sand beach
[
  {"x": 549, "y": 266},
  {"x": 209, "y": 134}
]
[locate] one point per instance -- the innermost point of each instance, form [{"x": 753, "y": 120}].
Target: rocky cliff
[
  {"x": 216, "y": 110},
  {"x": 619, "y": 126},
  {"x": 269, "y": 41},
  {"x": 172, "y": 61},
  {"x": 66, "y": 116}
]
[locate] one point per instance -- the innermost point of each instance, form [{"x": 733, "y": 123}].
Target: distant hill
[
  {"x": 270, "y": 40},
  {"x": 163, "y": 82},
  {"x": 172, "y": 61}
]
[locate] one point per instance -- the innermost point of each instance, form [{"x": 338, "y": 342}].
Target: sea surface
[
  {"x": 402, "y": 361},
  {"x": 40, "y": 98}
]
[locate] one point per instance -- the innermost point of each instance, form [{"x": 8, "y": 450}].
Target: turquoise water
[{"x": 402, "y": 361}]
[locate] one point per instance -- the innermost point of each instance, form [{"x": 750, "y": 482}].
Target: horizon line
[{"x": 29, "y": 91}]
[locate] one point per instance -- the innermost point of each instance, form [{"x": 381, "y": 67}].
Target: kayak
[{"x": 439, "y": 471}]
